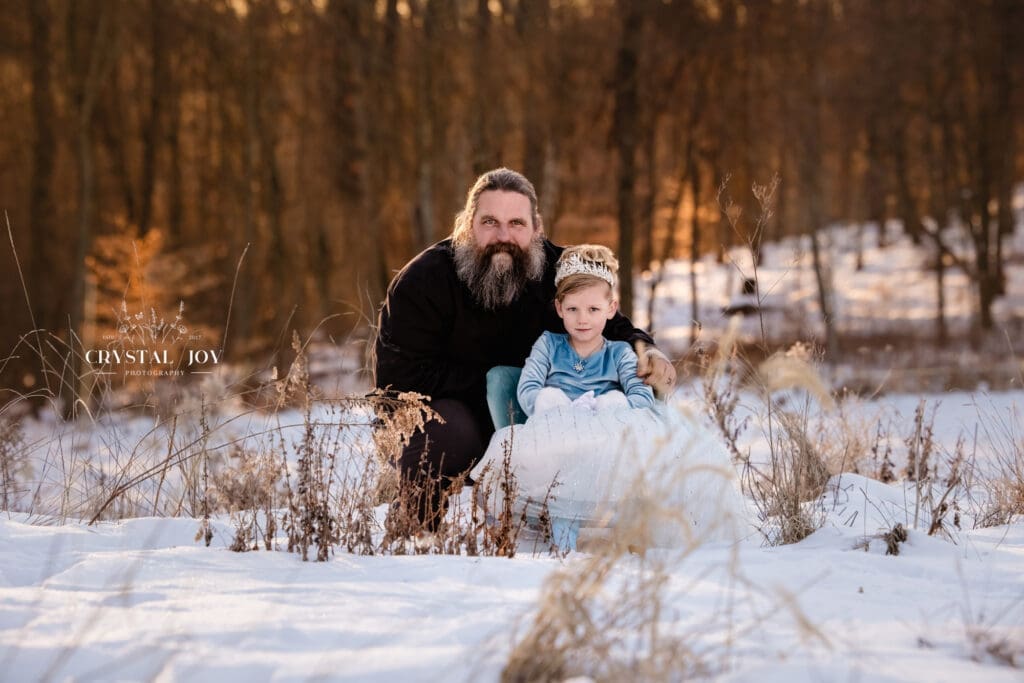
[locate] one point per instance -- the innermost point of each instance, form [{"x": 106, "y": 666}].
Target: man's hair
[
  {"x": 594, "y": 254},
  {"x": 503, "y": 179}
]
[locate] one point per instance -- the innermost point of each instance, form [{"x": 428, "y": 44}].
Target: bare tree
[
  {"x": 624, "y": 134},
  {"x": 92, "y": 48},
  {"x": 42, "y": 208},
  {"x": 805, "y": 112}
]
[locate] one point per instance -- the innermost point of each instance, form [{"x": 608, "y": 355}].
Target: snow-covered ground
[{"x": 140, "y": 598}]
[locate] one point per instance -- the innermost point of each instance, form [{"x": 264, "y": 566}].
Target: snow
[
  {"x": 140, "y": 599},
  {"x": 137, "y": 597}
]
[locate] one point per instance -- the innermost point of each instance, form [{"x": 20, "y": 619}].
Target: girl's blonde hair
[{"x": 595, "y": 254}]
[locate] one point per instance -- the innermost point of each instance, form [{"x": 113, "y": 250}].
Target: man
[{"x": 468, "y": 304}]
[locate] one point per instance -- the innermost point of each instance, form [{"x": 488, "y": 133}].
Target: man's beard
[{"x": 496, "y": 283}]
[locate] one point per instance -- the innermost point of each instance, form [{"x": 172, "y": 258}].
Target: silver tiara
[{"x": 574, "y": 265}]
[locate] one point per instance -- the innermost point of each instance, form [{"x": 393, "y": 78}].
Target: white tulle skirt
[{"x": 656, "y": 470}]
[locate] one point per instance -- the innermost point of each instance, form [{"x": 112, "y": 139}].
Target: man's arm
[
  {"x": 415, "y": 328},
  {"x": 653, "y": 366},
  {"x": 656, "y": 369},
  {"x": 620, "y": 328}
]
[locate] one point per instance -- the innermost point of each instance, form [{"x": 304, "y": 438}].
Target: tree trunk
[
  {"x": 425, "y": 228},
  {"x": 624, "y": 134},
  {"x": 668, "y": 247},
  {"x": 175, "y": 198},
  {"x": 908, "y": 207},
  {"x": 858, "y": 259},
  {"x": 549, "y": 188},
  {"x": 246, "y": 303},
  {"x": 982, "y": 234},
  {"x": 273, "y": 207},
  {"x": 91, "y": 55},
  {"x": 151, "y": 132},
  {"x": 693, "y": 171},
  {"x": 389, "y": 147},
  {"x": 811, "y": 170},
  {"x": 532, "y": 29},
  {"x": 941, "y": 331},
  {"x": 651, "y": 196},
  {"x": 823, "y": 278},
  {"x": 1008, "y": 14},
  {"x": 484, "y": 141},
  {"x": 352, "y": 145},
  {"x": 115, "y": 137},
  {"x": 42, "y": 209},
  {"x": 876, "y": 193}
]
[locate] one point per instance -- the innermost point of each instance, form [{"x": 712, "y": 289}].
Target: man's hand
[{"x": 655, "y": 368}]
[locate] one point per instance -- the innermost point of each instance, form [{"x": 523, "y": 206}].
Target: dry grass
[
  {"x": 786, "y": 488},
  {"x": 311, "y": 485},
  {"x": 1006, "y": 482},
  {"x": 810, "y": 438},
  {"x": 786, "y": 494},
  {"x": 501, "y": 525},
  {"x": 15, "y": 468},
  {"x": 998, "y": 645}
]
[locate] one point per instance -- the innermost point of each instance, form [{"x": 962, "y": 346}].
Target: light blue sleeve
[
  {"x": 637, "y": 393},
  {"x": 535, "y": 373}
]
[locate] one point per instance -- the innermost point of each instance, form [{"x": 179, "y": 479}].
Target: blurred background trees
[{"x": 149, "y": 144}]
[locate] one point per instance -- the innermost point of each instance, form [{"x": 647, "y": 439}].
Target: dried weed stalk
[
  {"x": 246, "y": 486},
  {"x": 14, "y": 464},
  {"x": 721, "y": 387},
  {"x": 999, "y": 645},
  {"x": 1006, "y": 483},
  {"x": 945, "y": 511},
  {"x": 881, "y": 457},
  {"x": 501, "y": 532},
  {"x": 356, "y": 520},
  {"x": 786, "y": 490},
  {"x": 920, "y": 444},
  {"x": 783, "y": 488}
]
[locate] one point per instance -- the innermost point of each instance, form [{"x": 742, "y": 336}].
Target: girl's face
[{"x": 585, "y": 311}]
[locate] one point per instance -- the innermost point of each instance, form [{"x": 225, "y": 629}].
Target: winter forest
[
  {"x": 334, "y": 140},
  {"x": 818, "y": 212}
]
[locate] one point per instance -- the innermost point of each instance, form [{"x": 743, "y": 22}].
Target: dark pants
[{"x": 441, "y": 455}]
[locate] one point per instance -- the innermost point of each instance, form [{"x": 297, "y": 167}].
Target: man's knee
[
  {"x": 502, "y": 386},
  {"x": 449, "y": 448}
]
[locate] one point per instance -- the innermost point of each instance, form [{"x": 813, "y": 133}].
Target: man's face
[
  {"x": 502, "y": 219},
  {"x": 507, "y": 250}
]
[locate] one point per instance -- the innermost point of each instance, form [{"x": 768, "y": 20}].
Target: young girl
[{"x": 581, "y": 367}]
